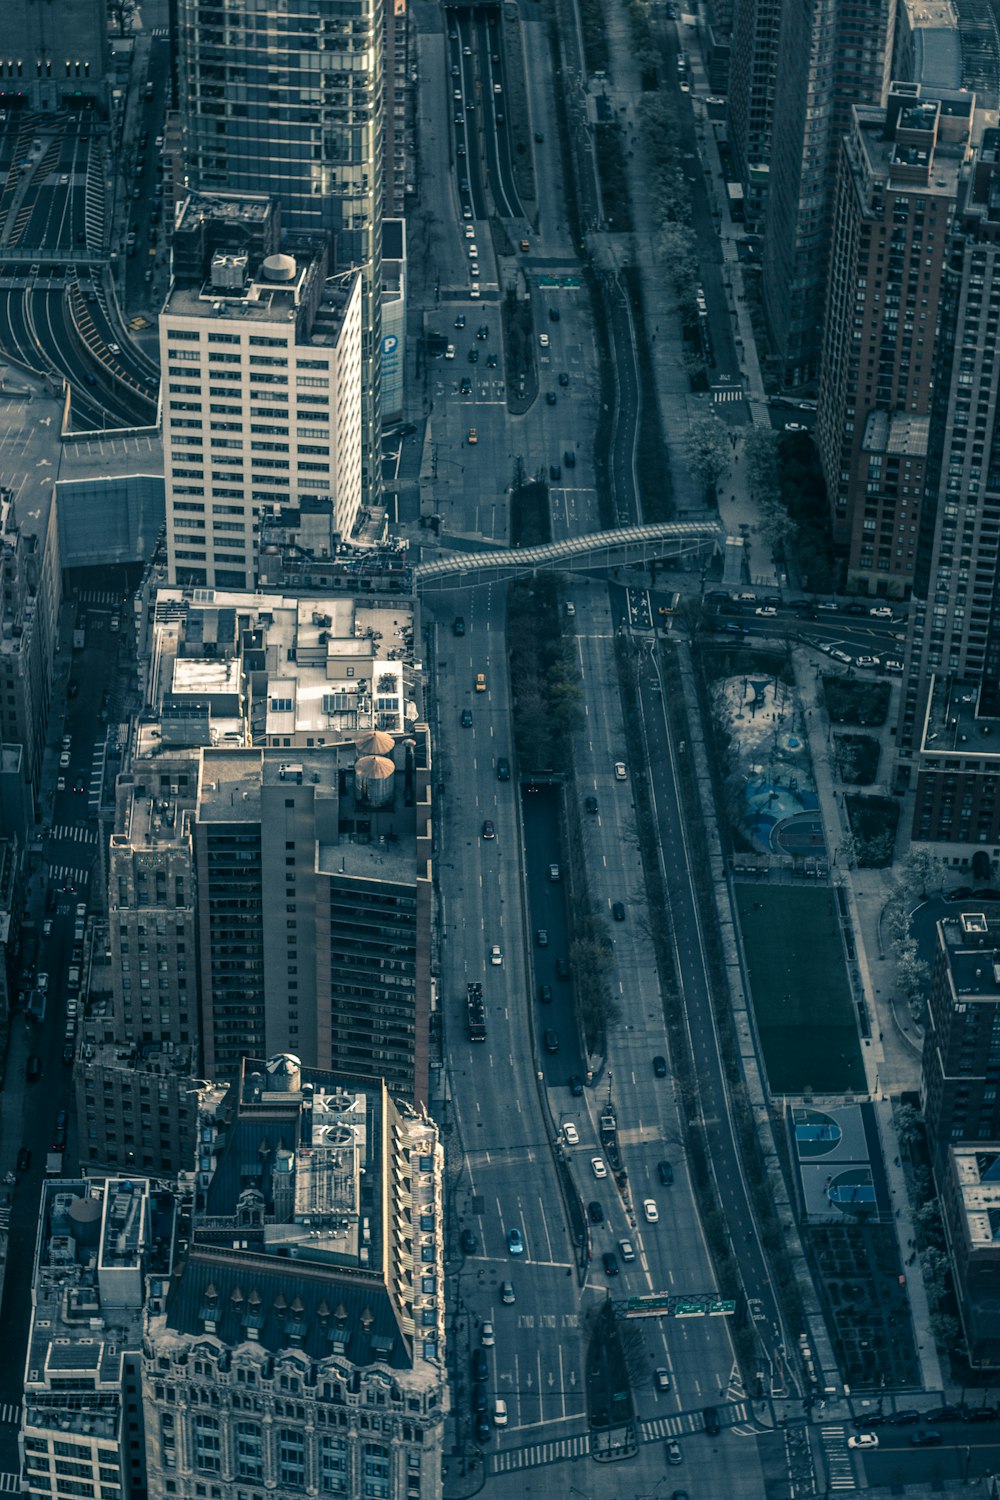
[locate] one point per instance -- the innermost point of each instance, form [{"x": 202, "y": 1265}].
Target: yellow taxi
[{"x": 480, "y": 682}]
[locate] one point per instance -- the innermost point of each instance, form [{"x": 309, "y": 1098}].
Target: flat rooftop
[
  {"x": 977, "y": 1172},
  {"x": 954, "y": 724},
  {"x": 970, "y": 941}
]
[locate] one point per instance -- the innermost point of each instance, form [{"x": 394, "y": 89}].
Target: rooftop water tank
[{"x": 279, "y": 268}]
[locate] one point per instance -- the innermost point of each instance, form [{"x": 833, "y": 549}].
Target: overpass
[{"x": 600, "y": 549}]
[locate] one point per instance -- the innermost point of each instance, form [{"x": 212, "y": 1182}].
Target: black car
[
  {"x": 610, "y": 1260},
  {"x": 926, "y": 1437},
  {"x": 480, "y": 1369},
  {"x": 551, "y": 1041},
  {"x": 480, "y": 1400},
  {"x": 553, "y": 315},
  {"x": 458, "y": 626},
  {"x": 590, "y": 803},
  {"x": 618, "y": 910},
  {"x": 68, "y": 1053},
  {"x": 562, "y": 968},
  {"x": 483, "y": 1429},
  {"x": 563, "y": 378},
  {"x": 575, "y": 1085},
  {"x": 550, "y": 398},
  {"x": 545, "y": 994},
  {"x": 473, "y": 356},
  {"x": 503, "y": 768},
  {"x": 23, "y": 1159},
  {"x": 468, "y": 1242},
  {"x": 555, "y": 472},
  {"x": 569, "y": 458},
  {"x": 595, "y": 1212},
  {"x": 666, "y": 1173},
  {"x": 870, "y": 1419},
  {"x": 482, "y": 332},
  {"x": 907, "y": 1417},
  {"x": 977, "y": 1414},
  {"x": 660, "y": 1067},
  {"x": 466, "y": 718}
]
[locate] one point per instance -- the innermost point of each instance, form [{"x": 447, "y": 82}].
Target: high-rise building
[
  {"x": 54, "y": 56},
  {"x": 961, "y": 1056},
  {"x": 969, "y": 1192},
  {"x": 300, "y": 1348},
  {"x": 900, "y": 171},
  {"x": 261, "y": 361},
  {"x": 287, "y": 100},
  {"x": 950, "y": 714},
  {"x": 753, "y": 60},
  {"x": 104, "y": 1247},
  {"x": 29, "y": 602},
  {"x": 397, "y": 104},
  {"x": 831, "y": 55}
]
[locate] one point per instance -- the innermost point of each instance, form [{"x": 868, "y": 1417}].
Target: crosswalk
[
  {"x": 727, "y": 393},
  {"x": 840, "y": 1470},
  {"x": 79, "y": 832},
  {"x": 72, "y": 875},
  {"x": 4, "y": 1224},
  {"x": 537, "y": 1454},
  {"x": 10, "y": 1412},
  {"x": 685, "y": 1422},
  {"x": 10, "y": 1484}
]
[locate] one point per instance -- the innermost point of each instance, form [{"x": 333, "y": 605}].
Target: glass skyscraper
[{"x": 286, "y": 97}]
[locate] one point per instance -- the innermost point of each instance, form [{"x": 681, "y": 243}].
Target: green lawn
[{"x": 800, "y": 990}]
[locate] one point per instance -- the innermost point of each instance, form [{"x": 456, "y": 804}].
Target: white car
[
  {"x": 863, "y": 1440},
  {"x": 470, "y": 233},
  {"x": 767, "y": 610},
  {"x": 487, "y": 1337},
  {"x": 64, "y": 759},
  {"x": 47, "y": 927},
  {"x": 866, "y": 661},
  {"x": 500, "y": 1412},
  {"x": 570, "y": 1134},
  {"x": 543, "y": 339},
  {"x": 67, "y": 742},
  {"x": 597, "y": 1167},
  {"x": 881, "y": 612},
  {"x": 42, "y": 983},
  {"x": 449, "y": 353},
  {"x": 621, "y": 774},
  {"x": 651, "y": 1211},
  {"x": 496, "y": 957}
]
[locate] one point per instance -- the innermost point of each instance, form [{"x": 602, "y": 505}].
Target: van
[{"x": 711, "y": 1418}]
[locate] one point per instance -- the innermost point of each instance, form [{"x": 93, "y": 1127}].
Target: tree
[
  {"x": 909, "y": 1125},
  {"x": 946, "y": 1331},
  {"x": 760, "y": 456},
  {"x": 912, "y": 973},
  {"x": 708, "y": 450},
  {"x": 921, "y": 872}
]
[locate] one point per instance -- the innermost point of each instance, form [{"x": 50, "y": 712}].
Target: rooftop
[
  {"x": 977, "y": 1173},
  {"x": 970, "y": 943},
  {"x": 955, "y": 723},
  {"x": 896, "y": 432}
]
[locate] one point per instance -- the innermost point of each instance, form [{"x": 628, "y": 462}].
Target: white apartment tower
[{"x": 261, "y": 355}]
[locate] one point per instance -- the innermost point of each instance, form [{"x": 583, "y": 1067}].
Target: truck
[
  {"x": 54, "y": 1164},
  {"x": 475, "y": 1013}
]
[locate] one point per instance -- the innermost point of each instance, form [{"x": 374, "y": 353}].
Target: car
[
  {"x": 545, "y": 994},
  {"x": 497, "y": 89},
  {"x": 543, "y": 340},
  {"x": 666, "y": 1173},
  {"x": 114, "y": 348},
  {"x": 907, "y": 1416},
  {"x": 473, "y": 437},
  {"x": 621, "y": 773},
  {"x": 892, "y": 664},
  {"x": 710, "y": 1417},
  {"x": 974, "y": 1414},
  {"x": 473, "y": 356},
  {"x": 449, "y": 353},
  {"x": 466, "y": 718},
  {"x": 590, "y": 804},
  {"x": 59, "y": 1133},
  {"x": 496, "y": 956},
  {"x": 610, "y": 1260},
  {"x": 550, "y": 398},
  {"x": 491, "y": 361},
  {"x": 42, "y": 983},
  {"x": 81, "y": 911},
  {"x": 563, "y": 378},
  {"x": 870, "y": 1419},
  {"x": 659, "y": 1067},
  {"x": 67, "y": 742},
  {"x": 473, "y": 250},
  {"x": 651, "y": 1211},
  {"x": 72, "y": 1004},
  {"x": 60, "y": 783},
  {"x": 841, "y": 656},
  {"x": 575, "y": 1085},
  {"x": 674, "y": 1455},
  {"x": 507, "y": 1293},
  {"x": 68, "y": 1053},
  {"x": 487, "y": 1337},
  {"x": 503, "y": 768},
  {"x": 489, "y": 832},
  {"x": 618, "y": 910},
  {"x": 515, "y": 1244},
  {"x": 796, "y": 427},
  {"x": 926, "y": 1437},
  {"x": 78, "y": 785},
  {"x": 570, "y": 1134},
  {"x": 483, "y": 331},
  {"x": 626, "y": 1250},
  {"x": 64, "y": 759},
  {"x": 473, "y": 268},
  {"x": 458, "y": 625},
  {"x": 731, "y": 628},
  {"x": 880, "y": 612},
  {"x": 23, "y": 1159},
  {"x": 542, "y": 938},
  {"x": 147, "y": 277},
  {"x": 867, "y": 661},
  {"x": 468, "y": 1242},
  {"x": 569, "y": 458},
  {"x": 47, "y": 927},
  {"x": 480, "y": 1369},
  {"x": 499, "y": 1412},
  {"x": 768, "y": 611},
  {"x": 595, "y": 1213},
  {"x": 867, "y": 1440},
  {"x": 33, "y": 1068},
  {"x": 828, "y": 607},
  {"x": 480, "y": 1400},
  {"x": 598, "y": 1166},
  {"x": 554, "y": 873},
  {"x": 562, "y": 968},
  {"x": 661, "y": 1378},
  {"x": 551, "y": 1040},
  {"x": 555, "y": 472},
  {"x": 854, "y": 608}
]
